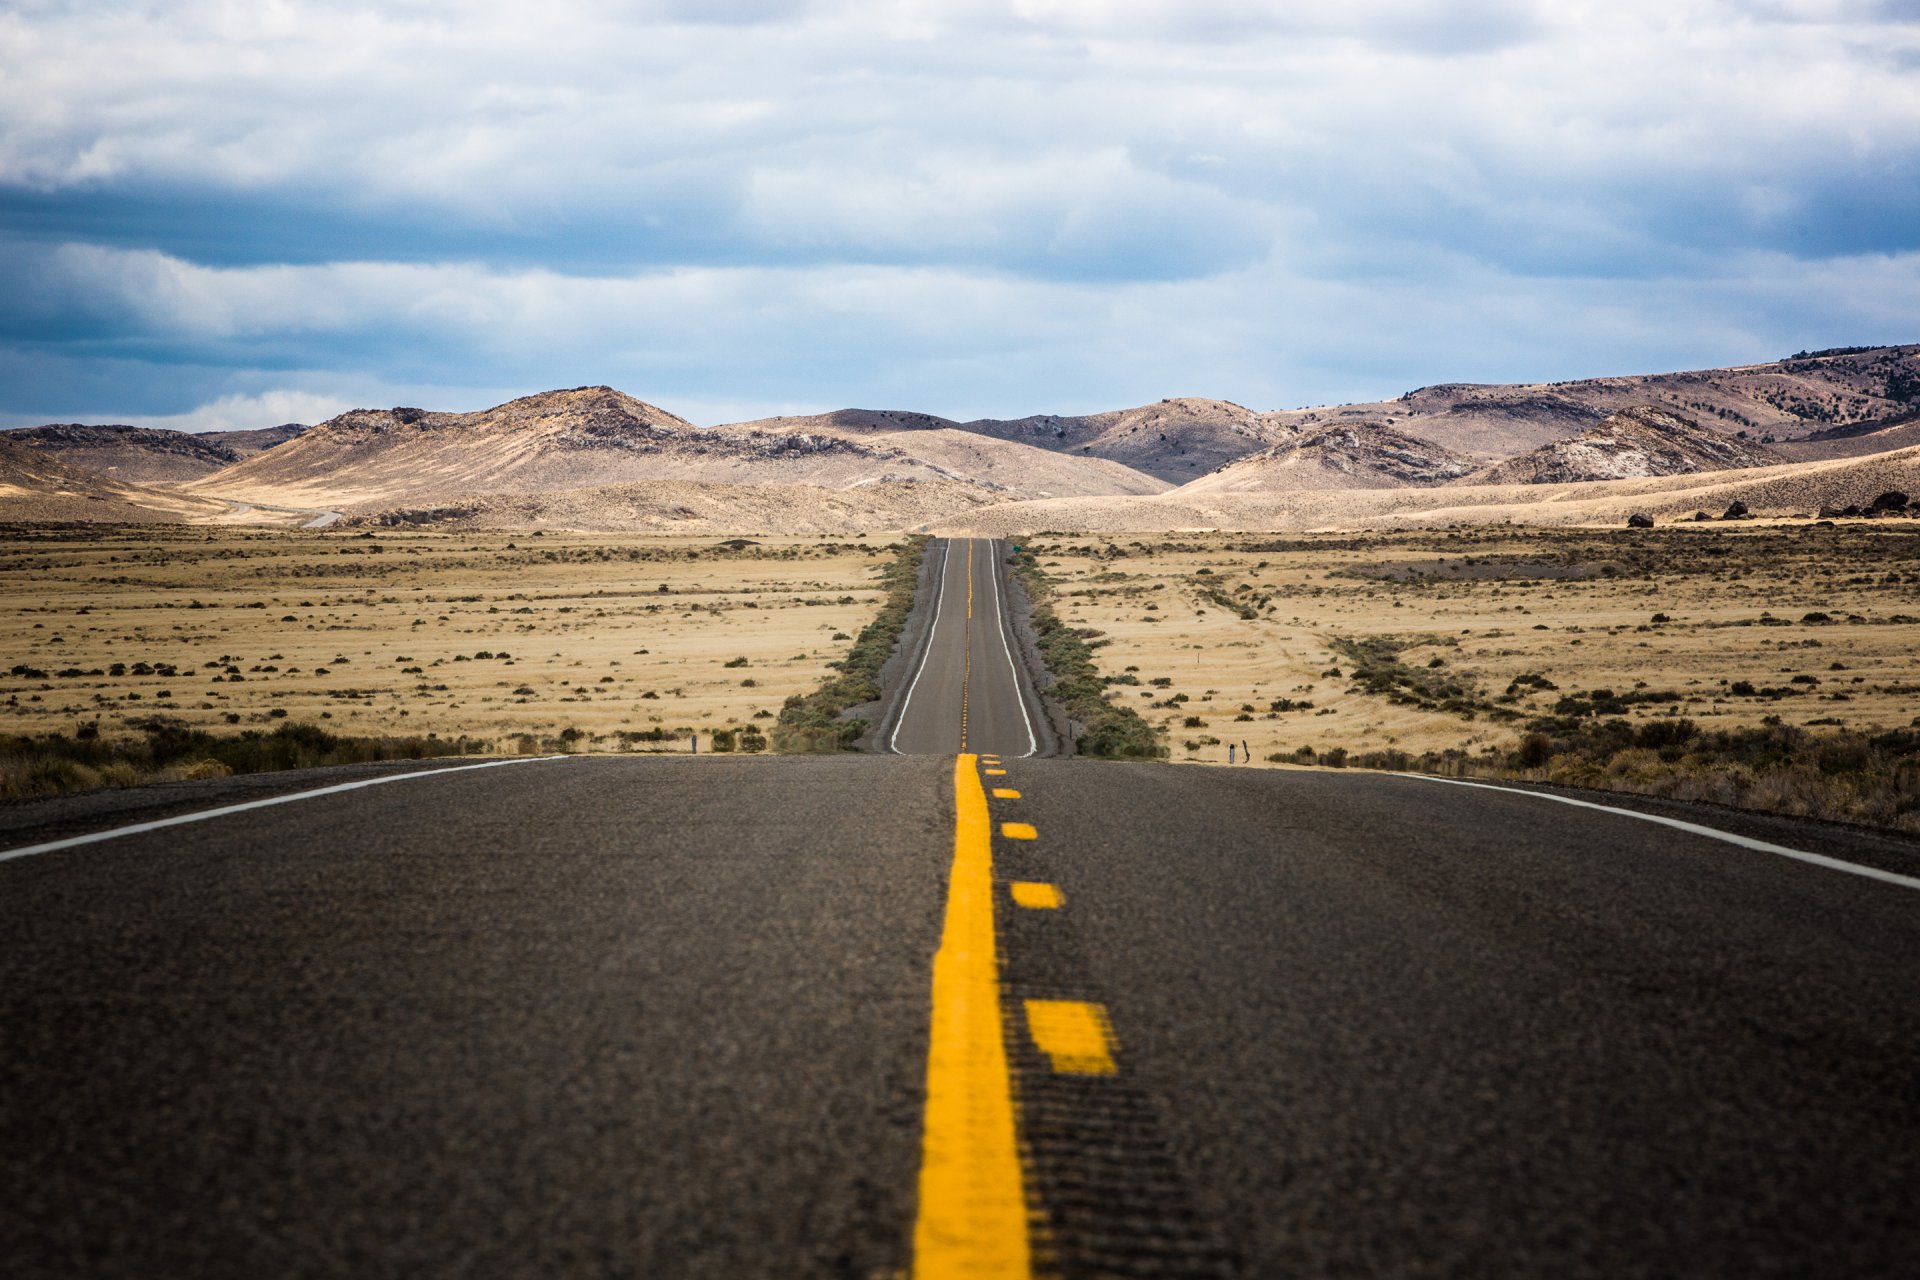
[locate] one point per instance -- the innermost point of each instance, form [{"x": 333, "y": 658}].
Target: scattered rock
[
  {"x": 1735, "y": 511},
  {"x": 1639, "y": 520},
  {"x": 1700, "y": 516},
  {"x": 1892, "y": 500}
]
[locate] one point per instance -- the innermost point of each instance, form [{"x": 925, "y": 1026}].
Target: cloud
[
  {"x": 743, "y": 201},
  {"x": 724, "y": 343}
]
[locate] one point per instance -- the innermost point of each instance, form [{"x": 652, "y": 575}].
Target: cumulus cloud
[{"x": 1100, "y": 191}]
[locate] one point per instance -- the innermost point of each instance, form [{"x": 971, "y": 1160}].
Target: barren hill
[
  {"x": 37, "y": 484},
  {"x": 1018, "y": 469},
  {"x": 585, "y": 437},
  {"x": 1776, "y": 402},
  {"x": 1633, "y": 443},
  {"x": 1356, "y": 455},
  {"x": 146, "y": 455},
  {"x": 1789, "y": 490},
  {"x": 1174, "y": 440},
  {"x": 684, "y": 505}
]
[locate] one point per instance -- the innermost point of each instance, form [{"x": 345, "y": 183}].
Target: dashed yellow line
[
  {"x": 1018, "y": 831},
  {"x": 972, "y": 1218},
  {"x": 1005, "y": 793},
  {"x": 1035, "y": 896},
  {"x": 1074, "y": 1034},
  {"x": 996, "y": 773}
]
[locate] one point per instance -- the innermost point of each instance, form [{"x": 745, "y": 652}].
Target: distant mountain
[
  {"x": 1352, "y": 455},
  {"x": 1013, "y": 467},
  {"x": 36, "y": 484},
  {"x": 1171, "y": 441},
  {"x": 618, "y": 459},
  {"x": 258, "y": 440},
  {"x": 1781, "y": 401},
  {"x": 1632, "y": 444}
]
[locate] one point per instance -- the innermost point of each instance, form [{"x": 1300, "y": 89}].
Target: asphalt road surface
[
  {"x": 632, "y": 1016},
  {"x": 966, "y": 690}
]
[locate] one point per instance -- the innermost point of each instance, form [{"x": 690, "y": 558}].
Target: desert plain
[
  {"x": 1456, "y": 639},
  {"x": 528, "y": 642}
]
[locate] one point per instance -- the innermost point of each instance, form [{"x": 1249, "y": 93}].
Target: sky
[{"x": 221, "y": 214}]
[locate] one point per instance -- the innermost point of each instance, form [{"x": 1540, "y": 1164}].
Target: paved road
[
  {"x": 673, "y": 1017},
  {"x": 966, "y": 689}
]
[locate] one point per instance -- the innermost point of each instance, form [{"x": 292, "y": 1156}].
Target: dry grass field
[
  {"x": 527, "y": 641},
  {"x": 1458, "y": 639}
]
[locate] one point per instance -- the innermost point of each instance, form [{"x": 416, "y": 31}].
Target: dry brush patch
[
  {"x": 1454, "y": 646},
  {"x": 520, "y": 642}
]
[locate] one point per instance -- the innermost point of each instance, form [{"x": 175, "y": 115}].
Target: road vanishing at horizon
[{"x": 959, "y": 1007}]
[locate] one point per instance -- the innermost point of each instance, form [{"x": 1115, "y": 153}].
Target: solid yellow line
[{"x": 973, "y": 1211}]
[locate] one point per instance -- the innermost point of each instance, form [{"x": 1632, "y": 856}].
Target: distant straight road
[
  {"x": 965, "y": 690},
  {"x": 626, "y": 1016}
]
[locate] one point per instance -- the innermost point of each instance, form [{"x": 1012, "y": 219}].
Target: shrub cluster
[
  {"x": 1111, "y": 731},
  {"x": 1869, "y": 778},
  {"x": 57, "y": 764},
  {"x": 813, "y": 721}
]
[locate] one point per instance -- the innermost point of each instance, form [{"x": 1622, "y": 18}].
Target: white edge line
[
  {"x": 1712, "y": 833},
  {"x": 204, "y": 814},
  {"x": 1000, "y": 620},
  {"x": 939, "y": 601}
]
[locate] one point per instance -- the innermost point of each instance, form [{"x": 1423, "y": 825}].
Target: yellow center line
[{"x": 973, "y": 1212}]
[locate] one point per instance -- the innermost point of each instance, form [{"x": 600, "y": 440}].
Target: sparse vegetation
[
  {"x": 815, "y": 721},
  {"x": 33, "y": 766},
  {"x": 1109, "y": 730}
]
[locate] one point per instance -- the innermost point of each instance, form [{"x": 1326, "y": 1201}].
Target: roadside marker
[
  {"x": 1074, "y": 1034},
  {"x": 1036, "y": 896}
]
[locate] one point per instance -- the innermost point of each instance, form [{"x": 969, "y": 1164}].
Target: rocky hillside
[
  {"x": 585, "y": 437},
  {"x": 1173, "y": 440},
  {"x": 37, "y": 484},
  {"x": 1631, "y": 444},
  {"x": 1352, "y": 455},
  {"x": 145, "y": 455},
  {"x": 1170, "y": 442},
  {"x": 1795, "y": 399}
]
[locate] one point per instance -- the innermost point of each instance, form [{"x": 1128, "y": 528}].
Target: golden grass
[
  {"x": 487, "y": 635},
  {"x": 1488, "y": 608}
]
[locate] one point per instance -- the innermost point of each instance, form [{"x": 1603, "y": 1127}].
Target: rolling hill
[{"x": 1632, "y": 444}]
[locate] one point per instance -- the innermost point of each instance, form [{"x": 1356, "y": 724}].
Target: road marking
[
  {"x": 1018, "y": 831},
  {"x": 1005, "y": 793},
  {"x": 996, "y": 773},
  {"x": 203, "y": 815},
  {"x": 966, "y": 640},
  {"x": 939, "y": 599},
  {"x": 1074, "y": 1034},
  {"x": 1036, "y": 896},
  {"x": 1693, "y": 828},
  {"x": 972, "y": 1218},
  {"x": 1000, "y": 626}
]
